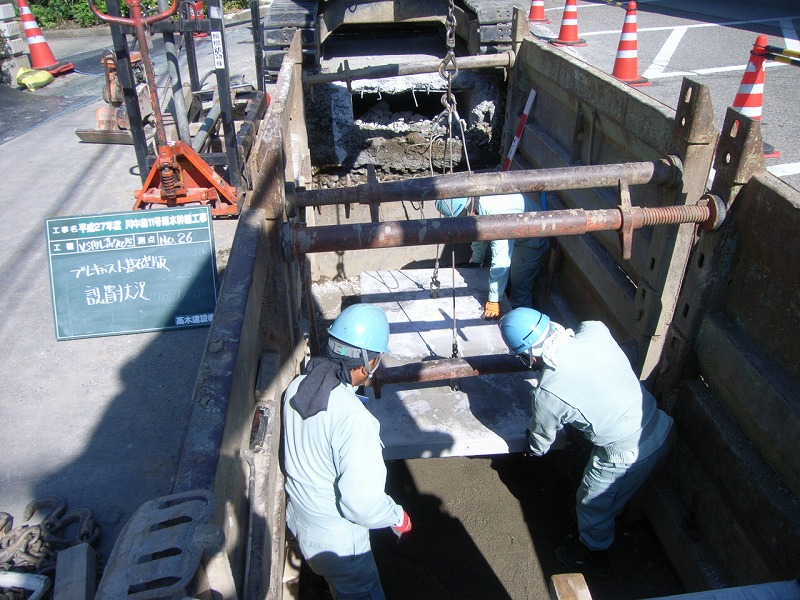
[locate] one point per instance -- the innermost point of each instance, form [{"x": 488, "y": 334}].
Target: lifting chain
[
  {"x": 32, "y": 547},
  {"x": 448, "y": 71}
]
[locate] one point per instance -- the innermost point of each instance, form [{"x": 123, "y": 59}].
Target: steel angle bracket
[
  {"x": 626, "y": 231},
  {"x": 159, "y": 550}
]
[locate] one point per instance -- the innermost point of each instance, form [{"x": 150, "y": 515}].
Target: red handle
[{"x": 135, "y": 6}]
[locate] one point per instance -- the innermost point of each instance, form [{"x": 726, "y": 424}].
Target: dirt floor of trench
[{"x": 487, "y": 527}]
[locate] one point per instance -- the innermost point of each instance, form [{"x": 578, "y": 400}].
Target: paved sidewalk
[{"x": 97, "y": 422}]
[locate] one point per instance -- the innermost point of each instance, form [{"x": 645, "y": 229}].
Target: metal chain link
[
  {"x": 32, "y": 547},
  {"x": 448, "y": 71}
]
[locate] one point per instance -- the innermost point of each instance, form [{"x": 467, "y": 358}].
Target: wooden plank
[
  {"x": 569, "y": 586},
  {"x": 76, "y": 571}
]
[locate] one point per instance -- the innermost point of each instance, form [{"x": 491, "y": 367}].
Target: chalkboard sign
[{"x": 132, "y": 272}]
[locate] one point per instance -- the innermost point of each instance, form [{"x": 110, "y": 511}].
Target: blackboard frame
[{"x": 132, "y": 272}]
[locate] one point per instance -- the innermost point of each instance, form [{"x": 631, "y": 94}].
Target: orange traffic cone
[
  {"x": 568, "y": 34},
  {"x": 536, "y": 14},
  {"x": 626, "y": 65},
  {"x": 750, "y": 96},
  {"x": 195, "y": 13},
  {"x": 41, "y": 56}
]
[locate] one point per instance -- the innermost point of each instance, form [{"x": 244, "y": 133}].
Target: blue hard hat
[
  {"x": 451, "y": 207},
  {"x": 362, "y": 326},
  {"x": 524, "y": 328}
]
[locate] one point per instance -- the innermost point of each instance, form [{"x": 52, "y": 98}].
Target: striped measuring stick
[
  {"x": 783, "y": 55},
  {"x": 520, "y": 128}
]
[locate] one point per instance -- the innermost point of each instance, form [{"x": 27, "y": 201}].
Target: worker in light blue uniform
[
  {"x": 513, "y": 261},
  {"x": 333, "y": 462},
  {"x": 588, "y": 383}
]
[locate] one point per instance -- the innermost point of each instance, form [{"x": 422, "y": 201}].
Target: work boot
[{"x": 574, "y": 555}]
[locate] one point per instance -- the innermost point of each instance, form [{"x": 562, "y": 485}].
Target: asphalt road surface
[{"x": 709, "y": 42}]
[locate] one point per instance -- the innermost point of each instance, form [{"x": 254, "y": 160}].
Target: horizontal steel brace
[
  {"x": 666, "y": 171},
  {"x": 300, "y": 239},
  {"x": 345, "y": 73},
  {"x": 447, "y": 368}
]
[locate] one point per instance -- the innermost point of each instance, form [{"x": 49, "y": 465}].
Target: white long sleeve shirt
[
  {"x": 335, "y": 474},
  {"x": 595, "y": 390},
  {"x": 501, "y": 249}
]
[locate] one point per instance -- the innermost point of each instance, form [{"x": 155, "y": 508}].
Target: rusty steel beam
[
  {"x": 666, "y": 171},
  {"x": 447, "y": 368},
  {"x": 300, "y": 239},
  {"x": 344, "y": 73}
]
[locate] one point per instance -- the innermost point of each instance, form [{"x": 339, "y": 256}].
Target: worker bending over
[
  {"x": 587, "y": 382},
  {"x": 333, "y": 462},
  {"x": 514, "y": 262}
]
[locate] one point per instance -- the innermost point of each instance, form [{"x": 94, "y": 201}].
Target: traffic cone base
[
  {"x": 578, "y": 42},
  {"x": 770, "y": 152},
  {"x": 626, "y": 65}
]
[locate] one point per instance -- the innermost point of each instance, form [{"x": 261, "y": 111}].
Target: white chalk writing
[
  {"x": 115, "y": 294},
  {"x": 194, "y": 319},
  {"x": 128, "y": 265},
  {"x": 107, "y": 243}
]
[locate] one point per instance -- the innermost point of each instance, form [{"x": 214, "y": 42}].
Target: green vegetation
[{"x": 76, "y": 13}]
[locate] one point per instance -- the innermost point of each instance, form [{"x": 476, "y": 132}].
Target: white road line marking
[
  {"x": 711, "y": 71},
  {"x": 785, "y": 169},
  {"x": 789, "y": 35},
  {"x": 667, "y": 50},
  {"x": 582, "y": 6},
  {"x": 692, "y": 26}
]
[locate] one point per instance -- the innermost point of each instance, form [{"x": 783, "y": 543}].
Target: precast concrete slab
[{"x": 485, "y": 415}]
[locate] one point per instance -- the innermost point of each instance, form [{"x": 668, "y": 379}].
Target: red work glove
[
  {"x": 403, "y": 527},
  {"x": 491, "y": 310}
]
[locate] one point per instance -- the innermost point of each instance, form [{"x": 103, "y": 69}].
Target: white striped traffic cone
[
  {"x": 568, "y": 34},
  {"x": 536, "y": 13},
  {"x": 749, "y": 98},
  {"x": 626, "y": 65},
  {"x": 41, "y": 56}
]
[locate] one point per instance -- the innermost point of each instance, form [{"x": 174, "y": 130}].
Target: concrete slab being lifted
[{"x": 489, "y": 414}]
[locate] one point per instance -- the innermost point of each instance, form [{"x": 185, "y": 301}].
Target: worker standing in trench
[
  {"x": 587, "y": 382},
  {"x": 333, "y": 461},
  {"x": 514, "y": 263}
]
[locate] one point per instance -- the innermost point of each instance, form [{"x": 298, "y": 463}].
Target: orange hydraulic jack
[{"x": 179, "y": 175}]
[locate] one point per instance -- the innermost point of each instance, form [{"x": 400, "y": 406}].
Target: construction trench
[{"x": 341, "y": 210}]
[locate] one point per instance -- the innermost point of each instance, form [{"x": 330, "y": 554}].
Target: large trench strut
[
  {"x": 300, "y": 239},
  {"x": 345, "y": 73},
  {"x": 447, "y": 368},
  {"x": 666, "y": 171}
]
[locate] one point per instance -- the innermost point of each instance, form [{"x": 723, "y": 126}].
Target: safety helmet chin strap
[
  {"x": 370, "y": 372},
  {"x": 343, "y": 350}
]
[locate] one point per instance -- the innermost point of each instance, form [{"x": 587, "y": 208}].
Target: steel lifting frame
[{"x": 178, "y": 174}]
